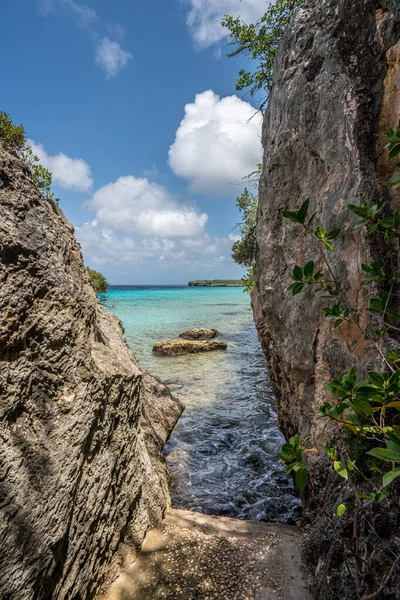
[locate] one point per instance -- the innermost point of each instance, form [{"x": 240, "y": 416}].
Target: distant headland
[{"x": 217, "y": 282}]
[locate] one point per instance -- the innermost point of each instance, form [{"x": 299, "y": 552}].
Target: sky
[{"x": 131, "y": 104}]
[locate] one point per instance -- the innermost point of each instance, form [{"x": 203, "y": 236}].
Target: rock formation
[
  {"x": 81, "y": 425},
  {"x": 199, "y": 333},
  {"x": 336, "y": 87},
  {"x": 183, "y": 346}
]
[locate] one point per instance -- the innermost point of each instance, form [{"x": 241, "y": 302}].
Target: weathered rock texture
[
  {"x": 183, "y": 346},
  {"x": 199, "y": 333},
  {"x": 82, "y": 426},
  {"x": 336, "y": 86}
]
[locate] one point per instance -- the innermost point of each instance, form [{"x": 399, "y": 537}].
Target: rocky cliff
[
  {"x": 336, "y": 87},
  {"x": 81, "y": 424}
]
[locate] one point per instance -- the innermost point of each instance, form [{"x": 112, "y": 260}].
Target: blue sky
[{"x": 132, "y": 105}]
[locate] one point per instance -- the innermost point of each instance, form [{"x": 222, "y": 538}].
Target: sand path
[{"x": 191, "y": 556}]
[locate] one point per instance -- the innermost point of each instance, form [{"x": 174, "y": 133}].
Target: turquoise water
[{"x": 222, "y": 453}]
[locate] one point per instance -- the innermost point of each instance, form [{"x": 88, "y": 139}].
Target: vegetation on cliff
[
  {"x": 13, "y": 139},
  {"x": 368, "y": 458},
  {"x": 259, "y": 41},
  {"x": 97, "y": 281},
  {"x": 244, "y": 250}
]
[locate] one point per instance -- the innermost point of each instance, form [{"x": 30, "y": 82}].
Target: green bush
[
  {"x": 12, "y": 137},
  {"x": 97, "y": 280},
  {"x": 243, "y": 250}
]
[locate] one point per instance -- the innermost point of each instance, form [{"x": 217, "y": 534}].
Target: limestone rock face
[
  {"x": 81, "y": 425},
  {"x": 336, "y": 86},
  {"x": 178, "y": 347}
]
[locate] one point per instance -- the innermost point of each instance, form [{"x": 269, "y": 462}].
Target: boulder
[
  {"x": 178, "y": 347},
  {"x": 199, "y": 333}
]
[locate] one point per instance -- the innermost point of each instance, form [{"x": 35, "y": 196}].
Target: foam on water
[{"x": 222, "y": 453}]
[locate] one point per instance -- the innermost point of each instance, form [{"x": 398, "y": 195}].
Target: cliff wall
[
  {"x": 336, "y": 87},
  {"x": 81, "y": 424}
]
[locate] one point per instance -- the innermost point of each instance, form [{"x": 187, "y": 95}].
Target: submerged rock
[
  {"x": 177, "y": 347},
  {"x": 199, "y": 333},
  {"x": 82, "y": 425}
]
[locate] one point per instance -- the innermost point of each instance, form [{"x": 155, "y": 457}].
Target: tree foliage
[
  {"x": 243, "y": 250},
  {"x": 259, "y": 41},
  {"x": 13, "y": 139},
  {"x": 97, "y": 280}
]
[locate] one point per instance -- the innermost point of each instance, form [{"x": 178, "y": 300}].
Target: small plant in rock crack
[{"x": 369, "y": 407}]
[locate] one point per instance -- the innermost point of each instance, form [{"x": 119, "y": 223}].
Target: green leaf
[
  {"x": 296, "y": 288},
  {"x": 303, "y": 211},
  {"x": 301, "y": 479},
  {"x": 341, "y": 509},
  {"x": 332, "y": 235},
  {"x": 330, "y": 451},
  {"x": 297, "y": 274},
  {"x": 377, "y": 379},
  {"x": 385, "y": 454},
  {"x": 379, "y": 497},
  {"x": 328, "y": 244},
  {"x": 340, "y": 469},
  {"x": 309, "y": 269},
  {"x": 390, "y": 476}
]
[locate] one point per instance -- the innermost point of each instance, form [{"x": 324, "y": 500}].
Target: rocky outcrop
[
  {"x": 216, "y": 283},
  {"x": 336, "y": 86},
  {"x": 81, "y": 425},
  {"x": 199, "y": 333},
  {"x": 178, "y": 347}
]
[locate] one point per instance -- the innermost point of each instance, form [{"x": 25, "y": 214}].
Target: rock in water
[
  {"x": 177, "y": 347},
  {"x": 82, "y": 425},
  {"x": 336, "y": 86},
  {"x": 199, "y": 333}
]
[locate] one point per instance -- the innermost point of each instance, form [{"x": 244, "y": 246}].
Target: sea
[{"x": 222, "y": 453}]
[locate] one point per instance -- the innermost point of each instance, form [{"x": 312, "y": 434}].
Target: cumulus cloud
[
  {"x": 69, "y": 173},
  {"x": 140, "y": 222},
  {"x": 138, "y": 206},
  {"x": 111, "y": 57},
  {"x": 217, "y": 143},
  {"x": 205, "y": 16}
]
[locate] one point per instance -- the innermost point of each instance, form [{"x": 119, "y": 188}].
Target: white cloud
[
  {"x": 111, "y": 57},
  {"x": 217, "y": 143},
  {"x": 140, "y": 222},
  {"x": 234, "y": 237},
  {"x": 87, "y": 16},
  {"x": 73, "y": 173},
  {"x": 205, "y": 16},
  {"x": 138, "y": 206}
]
